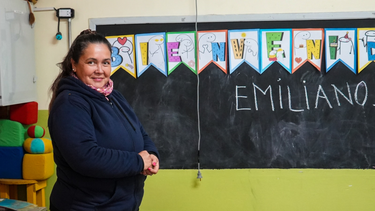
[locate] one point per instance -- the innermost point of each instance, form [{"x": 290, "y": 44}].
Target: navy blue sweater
[{"x": 96, "y": 144}]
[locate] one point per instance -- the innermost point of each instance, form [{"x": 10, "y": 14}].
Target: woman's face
[{"x": 94, "y": 65}]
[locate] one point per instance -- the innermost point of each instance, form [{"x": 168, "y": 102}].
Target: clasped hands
[{"x": 150, "y": 163}]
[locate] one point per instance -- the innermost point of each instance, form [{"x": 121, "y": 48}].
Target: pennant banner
[
  {"x": 212, "y": 49},
  {"x": 340, "y": 47},
  {"x": 259, "y": 49},
  {"x": 123, "y": 53},
  {"x": 243, "y": 47},
  {"x": 275, "y": 47},
  {"x": 307, "y": 47},
  {"x": 150, "y": 50},
  {"x": 366, "y": 47},
  {"x": 181, "y": 48}
]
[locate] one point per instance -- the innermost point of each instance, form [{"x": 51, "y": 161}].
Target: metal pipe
[
  {"x": 70, "y": 31},
  {"x": 44, "y": 9}
]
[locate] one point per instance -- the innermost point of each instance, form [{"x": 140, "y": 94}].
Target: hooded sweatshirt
[{"x": 96, "y": 144}]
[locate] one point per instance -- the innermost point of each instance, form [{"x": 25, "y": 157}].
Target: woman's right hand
[{"x": 147, "y": 160}]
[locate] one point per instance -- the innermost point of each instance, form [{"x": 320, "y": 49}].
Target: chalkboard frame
[{"x": 93, "y": 22}]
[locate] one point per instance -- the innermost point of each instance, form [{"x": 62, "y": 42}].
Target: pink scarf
[{"x": 105, "y": 90}]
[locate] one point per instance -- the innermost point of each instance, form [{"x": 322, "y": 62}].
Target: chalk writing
[{"x": 243, "y": 101}]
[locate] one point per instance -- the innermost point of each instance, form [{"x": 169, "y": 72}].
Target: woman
[{"x": 101, "y": 150}]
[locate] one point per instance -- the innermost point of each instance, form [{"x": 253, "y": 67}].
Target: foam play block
[
  {"x": 37, "y": 166},
  {"x": 12, "y": 134},
  {"x": 11, "y": 162},
  {"x": 25, "y": 113},
  {"x": 37, "y": 145},
  {"x": 36, "y": 131}
]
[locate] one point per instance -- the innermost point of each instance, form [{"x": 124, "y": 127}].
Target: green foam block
[{"x": 12, "y": 133}]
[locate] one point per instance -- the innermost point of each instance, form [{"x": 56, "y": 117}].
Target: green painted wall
[
  {"x": 42, "y": 121},
  {"x": 254, "y": 189},
  {"x": 261, "y": 190}
]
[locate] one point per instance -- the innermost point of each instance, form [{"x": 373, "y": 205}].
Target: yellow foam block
[
  {"x": 37, "y": 145},
  {"x": 37, "y": 166}
]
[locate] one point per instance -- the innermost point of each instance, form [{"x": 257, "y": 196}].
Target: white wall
[{"x": 49, "y": 51}]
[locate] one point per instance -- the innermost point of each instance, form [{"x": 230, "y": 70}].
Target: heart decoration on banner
[
  {"x": 122, "y": 41},
  {"x": 298, "y": 59}
]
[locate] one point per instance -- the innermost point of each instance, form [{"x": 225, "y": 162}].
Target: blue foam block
[{"x": 11, "y": 162}]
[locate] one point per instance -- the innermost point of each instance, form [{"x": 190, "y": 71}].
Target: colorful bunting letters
[
  {"x": 275, "y": 47},
  {"x": 366, "y": 47},
  {"x": 341, "y": 47},
  {"x": 123, "y": 53},
  {"x": 259, "y": 49},
  {"x": 307, "y": 47},
  {"x": 243, "y": 47},
  {"x": 181, "y": 47},
  {"x": 212, "y": 48},
  {"x": 150, "y": 50}
]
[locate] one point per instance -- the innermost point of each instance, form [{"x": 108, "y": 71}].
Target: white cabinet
[{"x": 17, "y": 60}]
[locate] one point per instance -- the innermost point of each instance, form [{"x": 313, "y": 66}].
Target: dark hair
[{"x": 81, "y": 42}]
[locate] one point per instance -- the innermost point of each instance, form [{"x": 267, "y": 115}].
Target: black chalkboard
[{"x": 308, "y": 119}]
